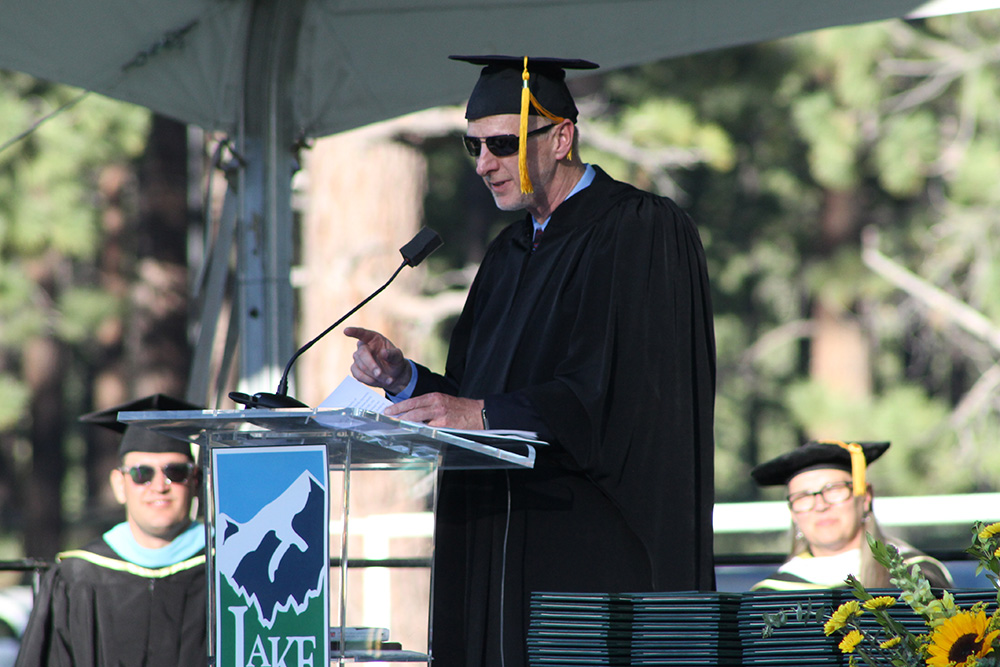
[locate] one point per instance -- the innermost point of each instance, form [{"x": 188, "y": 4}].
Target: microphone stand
[{"x": 424, "y": 243}]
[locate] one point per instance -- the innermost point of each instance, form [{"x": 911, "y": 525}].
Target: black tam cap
[
  {"x": 852, "y": 457},
  {"x": 137, "y": 438},
  {"x": 498, "y": 90}
]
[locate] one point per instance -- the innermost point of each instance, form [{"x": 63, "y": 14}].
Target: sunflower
[
  {"x": 850, "y": 641},
  {"x": 959, "y": 638},
  {"x": 839, "y": 618},
  {"x": 989, "y": 531},
  {"x": 881, "y": 602}
]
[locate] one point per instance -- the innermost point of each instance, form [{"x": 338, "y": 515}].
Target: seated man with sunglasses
[
  {"x": 831, "y": 505},
  {"x": 590, "y": 323},
  {"x": 136, "y": 595}
]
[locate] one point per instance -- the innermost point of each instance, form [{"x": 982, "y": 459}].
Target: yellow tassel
[
  {"x": 522, "y": 152},
  {"x": 545, "y": 112},
  {"x": 528, "y": 100},
  {"x": 858, "y": 464}
]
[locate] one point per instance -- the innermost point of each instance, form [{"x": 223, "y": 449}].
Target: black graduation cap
[
  {"x": 853, "y": 457},
  {"x": 501, "y": 89},
  {"x": 137, "y": 438},
  {"x": 500, "y": 84}
]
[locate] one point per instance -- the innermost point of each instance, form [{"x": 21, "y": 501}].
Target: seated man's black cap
[
  {"x": 813, "y": 455},
  {"x": 498, "y": 90},
  {"x": 137, "y": 438}
]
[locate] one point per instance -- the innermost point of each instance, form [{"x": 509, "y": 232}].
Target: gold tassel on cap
[
  {"x": 858, "y": 464},
  {"x": 528, "y": 100},
  {"x": 522, "y": 144}
]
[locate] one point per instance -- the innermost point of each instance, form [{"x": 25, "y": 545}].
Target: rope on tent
[{"x": 44, "y": 119}]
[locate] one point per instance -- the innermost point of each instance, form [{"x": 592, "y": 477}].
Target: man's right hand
[{"x": 377, "y": 362}]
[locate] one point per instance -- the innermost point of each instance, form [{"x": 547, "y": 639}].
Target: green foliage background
[
  {"x": 760, "y": 144},
  {"x": 50, "y": 236},
  {"x": 50, "y": 216}
]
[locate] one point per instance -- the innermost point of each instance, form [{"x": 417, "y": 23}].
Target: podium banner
[{"x": 272, "y": 554}]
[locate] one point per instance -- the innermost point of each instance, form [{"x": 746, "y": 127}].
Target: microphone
[{"x": 415, "y": 251}]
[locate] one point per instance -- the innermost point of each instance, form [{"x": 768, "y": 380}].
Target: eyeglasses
[
  {"x": 176, "y": 473},
  {"x": 501, "y": 145},
  {"x": 833, "y": 494}
]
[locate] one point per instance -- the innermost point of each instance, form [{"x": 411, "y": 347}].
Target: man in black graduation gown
[
  {"x": 134, "y": 597},
  {"x": 598, "y": 335}
]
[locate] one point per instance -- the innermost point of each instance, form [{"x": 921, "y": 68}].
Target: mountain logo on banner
[{"x": 275, "y": 561}]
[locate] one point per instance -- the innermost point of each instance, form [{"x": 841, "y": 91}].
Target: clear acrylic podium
[{"x": 357, "y": 442}]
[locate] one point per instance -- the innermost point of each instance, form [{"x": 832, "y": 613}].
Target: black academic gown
[
  {"x": 94, "y": 609},
  {"x": 602, "y": 341}
]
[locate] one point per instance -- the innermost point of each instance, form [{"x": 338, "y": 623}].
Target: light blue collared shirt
[
  {"x": 184, "y": 546},
  {"x": 585, "y": 180}
]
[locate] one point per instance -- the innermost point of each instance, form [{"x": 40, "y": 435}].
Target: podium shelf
[{"x": 364, "y": 438}]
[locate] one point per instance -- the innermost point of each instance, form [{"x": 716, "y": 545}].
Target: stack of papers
[
  {"x": 575, "y": 629},
  {"x": 796, "y": 642},
  {"x": 685, "y": 628}
]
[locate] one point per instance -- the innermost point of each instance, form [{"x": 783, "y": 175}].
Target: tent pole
[{"x": 265, "y": 227}]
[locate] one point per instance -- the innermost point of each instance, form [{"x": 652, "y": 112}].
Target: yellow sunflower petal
[
  {"x": 880, "y": 602},
  {"x": 839, "y": 618},
  {"x": 850, "y": 641},
  {"x": 989, "y": 531}
]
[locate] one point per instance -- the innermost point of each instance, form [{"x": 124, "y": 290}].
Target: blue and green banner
[{"x": 272, "y": 556}]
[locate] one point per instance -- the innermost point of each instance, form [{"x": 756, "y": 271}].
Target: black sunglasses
[
  {"x": 176, "y": 473},
  {"x": 501, "y": 145}
]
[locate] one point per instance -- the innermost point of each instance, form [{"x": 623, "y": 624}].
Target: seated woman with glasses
[{"x": 831, "y": 508}]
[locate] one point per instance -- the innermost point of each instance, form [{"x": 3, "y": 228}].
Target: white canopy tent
[{"x": 271, "y": 73}]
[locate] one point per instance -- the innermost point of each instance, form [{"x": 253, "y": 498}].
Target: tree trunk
[
  {"x": 157, "y": 344},
  {"x": 44, "y": 369},
  {"x": 365, "y": 200},
  {"x": 109, "y": 383},
  {"x": 839, "y": 353},
  {"x": 144, "y": 263}
]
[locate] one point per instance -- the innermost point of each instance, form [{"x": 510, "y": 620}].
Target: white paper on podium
[{"x": 352, "y": 393}]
